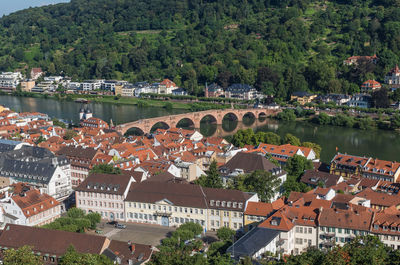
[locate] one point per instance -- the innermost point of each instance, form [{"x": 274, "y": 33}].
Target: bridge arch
[
  {"x": 262, "y": 115},
  {"x": 249, "y": 118},
  {"x": 231, "y": 115},
  {"x": 134, "y": 131},
  {"x": 159, "y": 125},
  {"x": 209, "y": 117},
  {"x": 186, "y": 123}
]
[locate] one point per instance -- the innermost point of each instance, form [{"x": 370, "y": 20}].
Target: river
[{"x": 376, "y": 143}]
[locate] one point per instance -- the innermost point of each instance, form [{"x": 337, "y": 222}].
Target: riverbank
[
  {"x": 356, "y": 120},
  {"x": 145, "y": 102}
]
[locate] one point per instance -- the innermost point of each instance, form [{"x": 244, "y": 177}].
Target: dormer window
[
  {"x": 240, "y": 205},
  {"x": 217, "y": 204},
  {"x": 393, "y": 228},
  {"x": 384, "y": 227},
  {"x": 234, "y": 204},
  {"x": 376, "y": 226},
  {"x": 229, "y": 204},
  {"x": 212, "y": 202},
  {"x": 223, "y": 204}
]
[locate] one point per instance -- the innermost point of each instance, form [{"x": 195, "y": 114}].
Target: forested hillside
[{"x": 280, "y": 46}]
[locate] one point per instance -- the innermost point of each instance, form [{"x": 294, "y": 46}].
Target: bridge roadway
[{"x": 171, "y": 121}]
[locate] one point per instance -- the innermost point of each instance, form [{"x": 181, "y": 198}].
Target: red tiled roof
[{"x": 33, "y": 202}]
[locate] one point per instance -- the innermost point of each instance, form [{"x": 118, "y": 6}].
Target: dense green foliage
[
  {"x": 182, "y": 248},
  {"x": 278, "y": 46},
  {"x": 248, "y": 137},
  {"x": 295, "y": 167},
  {"x": 23, "y": 255},
  {"x": 261, "y": 182},
  {"x": 105, "y": 169},
  {"x": 75, "y": 221},
  {"x": 362, "y": 250},
  {"x": 212, "y": 179},
  {"x": 72, "y": 257}
]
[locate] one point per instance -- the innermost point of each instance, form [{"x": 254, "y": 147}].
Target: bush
[{"x": 225, "y": 234}]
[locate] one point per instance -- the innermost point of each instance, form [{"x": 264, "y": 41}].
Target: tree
[
  {"x": 71, "y": 256},
  {"x": 212, "y": 179},
  {"x": 105, "y": 169},
  {"x": 291, "y": 139},
  {"x": 367, "y": 250},
  {"x": 75, "y": 213},
  {"x": 272, "y": 138},
  {"x": 40, "y": 139},
  {"x": 296, "y": 165},
  {"x": 262, "y": 182},
  {"x": 286, "y": 115},
  {"x": 380, "y": 98},
  {"x": 225, "y": 234},
  {"x": 316, "y": 147},
  {"x": 23, "y": 255},
  {"x": 94, "y": 219},
  {"x": 69, "y": 134}
]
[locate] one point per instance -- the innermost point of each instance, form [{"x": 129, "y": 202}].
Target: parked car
[
  {"x": 112, "y": 223},
  {"x": 120, "y": 226}
]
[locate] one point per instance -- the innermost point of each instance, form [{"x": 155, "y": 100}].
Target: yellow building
[
  {"x": 27, "y": 86},
  {"x": 256, "y": 212},
  {"x": 172, "y": 204},
  {"x": 118, "y": 89},
  {"x": 302, "y": 97}
]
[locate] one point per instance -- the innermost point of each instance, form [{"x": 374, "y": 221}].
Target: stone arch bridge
[{"x": 171, "y": 121}]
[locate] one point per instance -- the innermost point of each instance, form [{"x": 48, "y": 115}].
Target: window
[
  {"x": 212, "y": 212},
  {"x": 310, "y": 230}
]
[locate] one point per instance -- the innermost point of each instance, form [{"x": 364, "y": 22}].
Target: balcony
[
  {"x": 328, "y": 243},
  {"x": 280, "y": 242},
  {"x": 328, "y": 234},
  {"x": 159, "y": 213}
]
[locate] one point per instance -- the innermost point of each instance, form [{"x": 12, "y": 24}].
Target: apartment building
[
  {"x": 10, "y": 80},
  {"x": 81, "y": 160},
  {"x": 336, "y": 226},
  {"x": 105, "y": 194},
  {"x": 30, "y": 208}
]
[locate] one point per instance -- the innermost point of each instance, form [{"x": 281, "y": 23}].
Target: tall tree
[{"x": 212, "y": 179}]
